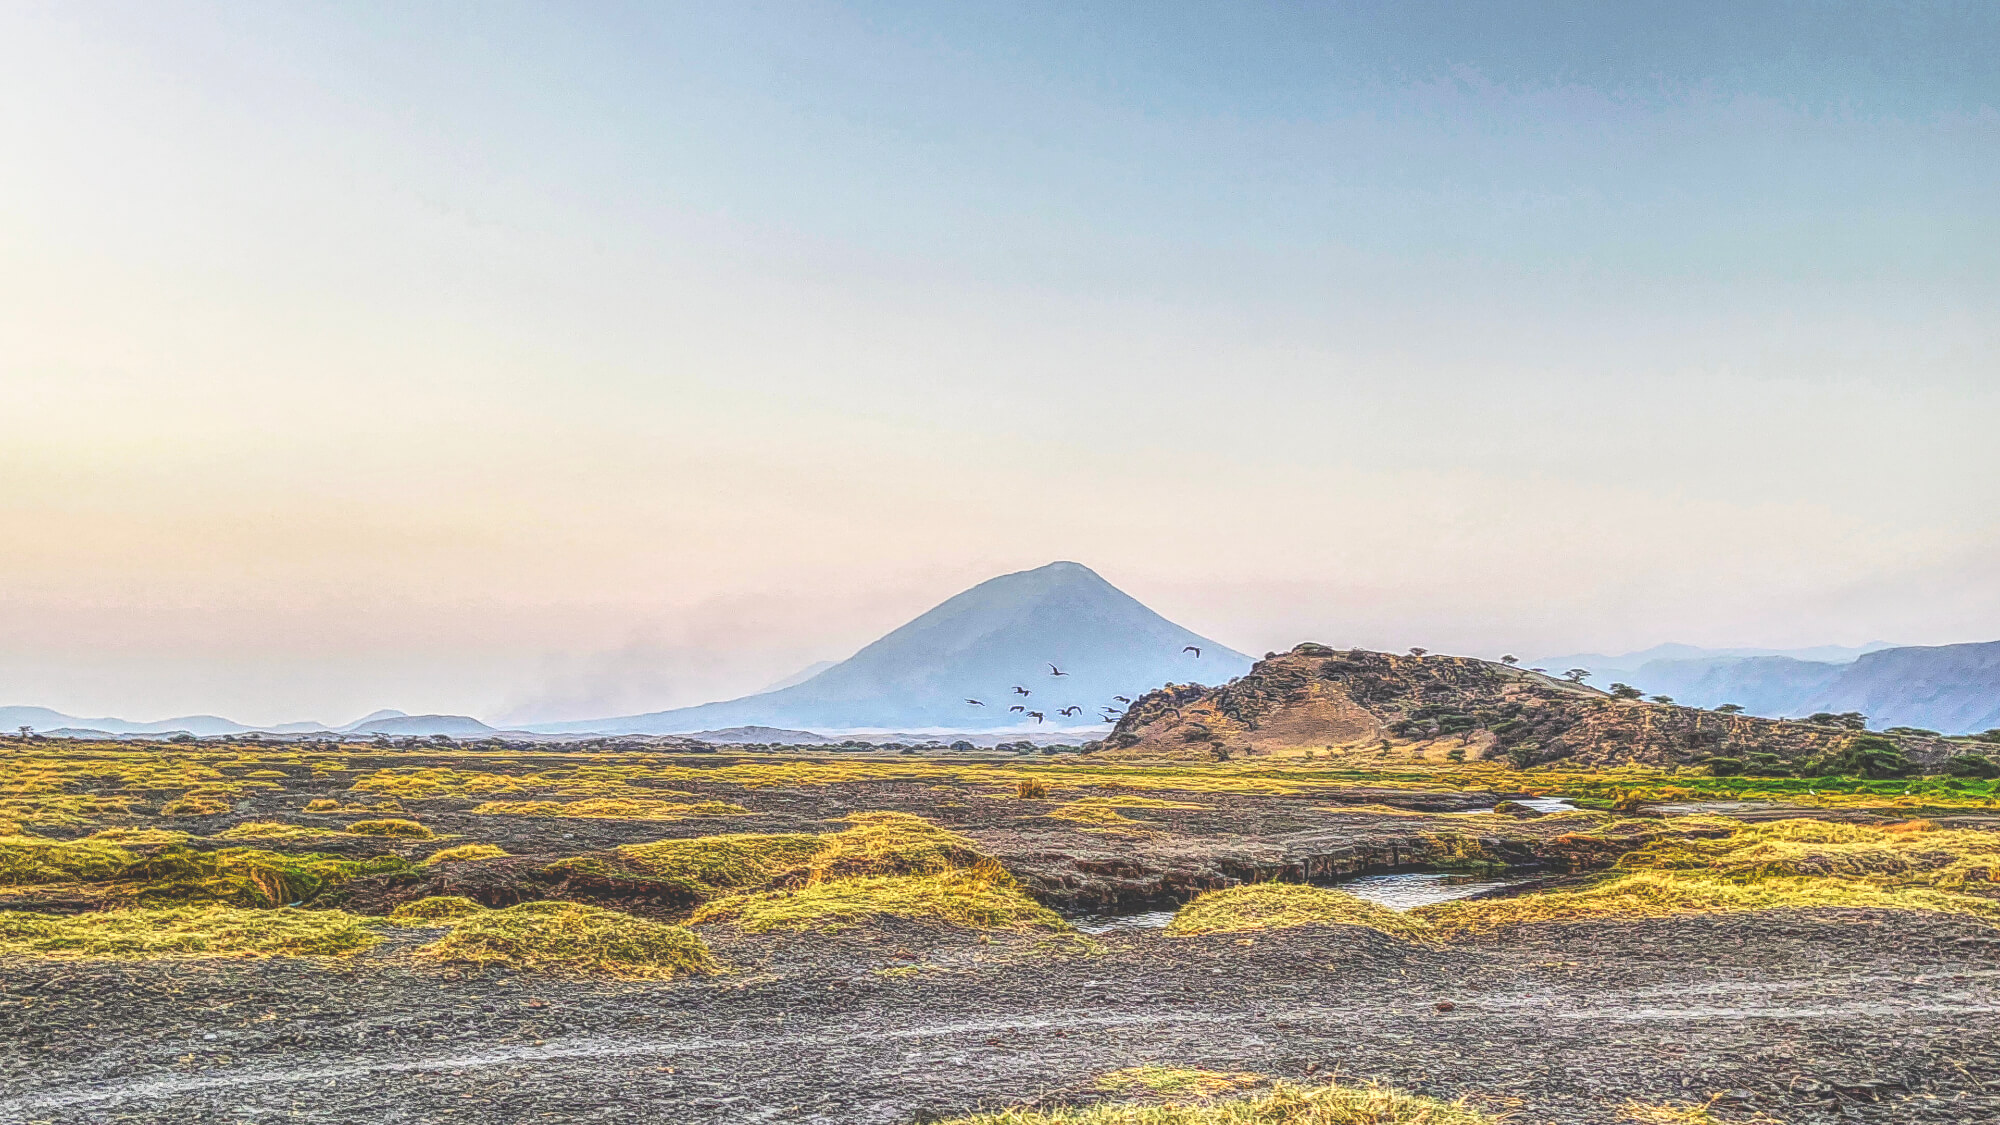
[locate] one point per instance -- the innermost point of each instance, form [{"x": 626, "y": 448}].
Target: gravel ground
[{"x": 1823, "y": 1016}]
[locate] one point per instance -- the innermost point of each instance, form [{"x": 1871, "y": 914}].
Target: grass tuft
[
  {"x": 392, "y": 826},
  {"x": 464, "y": 852},
  {"x": 1278, "y": 906},
  {"x": 611, "y": 808},
  {"x": 185, "y": 931},
  {"x": 1176, "y": 1082},
  {"x": 982, "y": 898},
  {"x": 892, "y": 843},
  {"x": 706, "y": 866},
  {"x": 567, "y": 937}
]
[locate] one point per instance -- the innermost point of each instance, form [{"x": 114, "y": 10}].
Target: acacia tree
[
  {"x": 1510, "y": 660},
  {"x": 1729, "y": 709},
  {"x": 1577, "y": 675}
]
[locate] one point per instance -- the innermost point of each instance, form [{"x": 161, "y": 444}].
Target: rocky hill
[{"x": 1315, "y": 696}]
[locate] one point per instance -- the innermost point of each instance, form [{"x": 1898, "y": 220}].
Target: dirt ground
[{"x": 1820, "y": 1016}]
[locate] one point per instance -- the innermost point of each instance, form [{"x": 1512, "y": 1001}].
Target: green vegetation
[
  {"x": 891, "y": 843},
  {"x": 185, "y": 931},
  {"x": 1284, "y": 1104},
  {"x": 26, "y": 860},
  {"x": 568, "y": 937},
  {"x": 1278, "y": 906},
  {"x": 985, "y": 898}
]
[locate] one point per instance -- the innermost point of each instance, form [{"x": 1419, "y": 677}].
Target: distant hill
[
  {"x": 770, "y": 735},
  {"x": 43, "y": 719},
  {"x": 422, "y": 725},
  {"x": 978, "y": 645},
  {"x": 1950, "y": 688}
]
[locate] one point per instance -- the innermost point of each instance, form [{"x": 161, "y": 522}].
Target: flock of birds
[{"x": 1110, "y": 714}]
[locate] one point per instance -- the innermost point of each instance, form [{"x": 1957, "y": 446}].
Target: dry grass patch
[
  {"x": 31, "y": 860},
  {"x": 1100, "y": 814},
  {"x": 437, "y": 781},
  {"x": 892, "y": 843},
  {"x": 198, "y": 803},
  {"x": 394, "y": 827},
  {"x": 984, "y": 898},
  {"x": 464, "y": 852},
  {"x": 1278, "y": 906},
  {"x": 567, "y": 937},
  {"x": 611, "y": 808},
  {"x": 705, "y": 866},
  {"x": 1176, "y": 1082},
  {"x": 1284, "y": 1104},
  {"x": 185, "y": 931}
]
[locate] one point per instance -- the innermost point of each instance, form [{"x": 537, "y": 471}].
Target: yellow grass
[
  {"x": 463, "y": 853},
  {"x": 395, "y": 827},
  {"x": 1175, "y": 1082},
  {"x": 705, "y": 866},
  {"x": 891, "y": 843},
  {"x": 1284, "y": 1104},
  {"x": 185, "y": 931},
  {"x": 986, "y": 898},
  {"x": 611, "y": 808},
  {"x": 1277, "y": 906},
  {"x": 567, "y": 937}
]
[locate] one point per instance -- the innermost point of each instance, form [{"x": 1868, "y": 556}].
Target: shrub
[
  {"x": 1869, "y": 755},
  {"x": 1972, "y": 765},
  {"x": 1725, "y": 767},
  {"x": 393, "y": 827},
  {"x": 569, "y": 937},
  {"x": 185, "y": 931},
  {"x": 1278, "y": 906},
  {"x": 1032, "y": 789}
]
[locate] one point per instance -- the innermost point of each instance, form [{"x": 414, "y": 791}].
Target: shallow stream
[{"x": 1400, "y": 890}]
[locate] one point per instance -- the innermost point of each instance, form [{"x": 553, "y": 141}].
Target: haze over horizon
[{"x": 537, "y": 362}]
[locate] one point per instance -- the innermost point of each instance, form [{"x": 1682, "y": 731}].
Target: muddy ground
[{"x": 1821, "y": 1016}]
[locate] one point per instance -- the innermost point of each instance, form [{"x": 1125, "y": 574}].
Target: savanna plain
[{"x": 1168, "y": 926}]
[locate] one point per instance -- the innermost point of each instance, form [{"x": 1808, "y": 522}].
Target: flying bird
[
  {"x": 1017, "y": 707},
  {"x": 1070, "y": 711},
  {"x": 1019, "y": 690},
  {"x": 975, "y": 703},
  {"x": 1121, "y": 699},
  {"x": 1035, "y": 715},
  {"x": 1055, "y": 671},
  {"x": 1192, "y": 649}
]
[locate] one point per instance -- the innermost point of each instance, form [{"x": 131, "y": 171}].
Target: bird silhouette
[
  {"x": 1070, "y": 711},
  {"x": 1055, "y": 671},
  {"x": 1017, "y": 707},
  {"x": 1035, "y": 715},
  {"x": 1121, "y": 699},
  {"x": 1192, "y": 649},
  {"x": 1019, "y": 690}
]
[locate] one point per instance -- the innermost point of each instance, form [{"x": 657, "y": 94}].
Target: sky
[{"x": 549, "y": 361}]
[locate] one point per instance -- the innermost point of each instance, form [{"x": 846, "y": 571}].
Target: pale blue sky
[{"x": 533, "y": 359}]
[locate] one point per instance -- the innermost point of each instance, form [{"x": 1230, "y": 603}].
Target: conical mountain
[{"x": 979, "y": 645}]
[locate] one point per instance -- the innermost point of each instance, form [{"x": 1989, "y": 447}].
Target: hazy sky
[{"x": 547, "y": 361}]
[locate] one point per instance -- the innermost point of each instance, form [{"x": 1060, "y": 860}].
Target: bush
[
  {"x": 1032, "y": 789},
  {"x": 1725, "y": 767},
  {"x": 1972, "y": 765},
  {"x": 1870, "y": 755}
]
